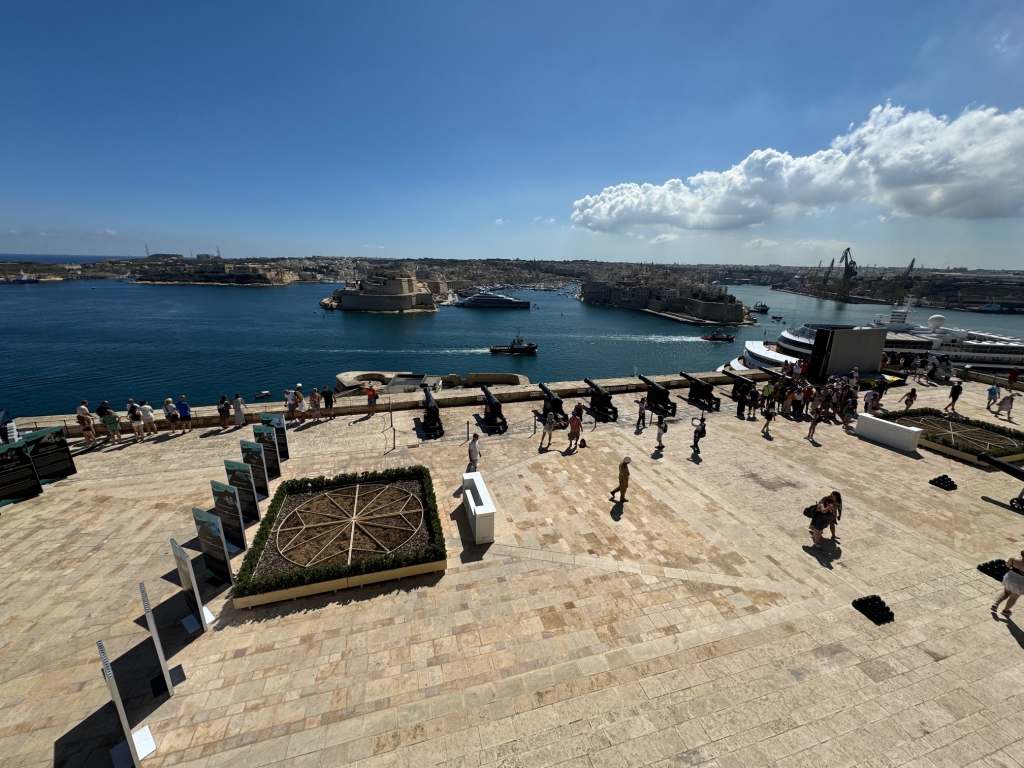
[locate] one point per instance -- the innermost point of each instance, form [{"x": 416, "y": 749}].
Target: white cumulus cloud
[
  {"x": 911, "y": 163},
  {"x": 499, "y": 222},
  {"x": 761, "y": 242},
  {"x": 664, "y": 237}
]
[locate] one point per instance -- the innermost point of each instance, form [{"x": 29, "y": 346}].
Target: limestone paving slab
[{"x": 686, "y": 627}]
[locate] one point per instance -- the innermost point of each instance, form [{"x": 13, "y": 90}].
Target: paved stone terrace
[{"x": 691, "y": 629}]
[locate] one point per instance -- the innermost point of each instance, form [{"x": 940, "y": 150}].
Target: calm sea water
[{"x": 62, "y": 342}]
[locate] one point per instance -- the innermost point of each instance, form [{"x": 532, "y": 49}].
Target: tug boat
[
  {"x": 719, "y": 336},
  {"x": 518, "y": 347},
  {"x": 760, "y": 308}
]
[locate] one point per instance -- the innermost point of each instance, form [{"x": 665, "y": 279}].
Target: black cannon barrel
[
  {"x": 773, "y": 375},
  {"x": 658, "y": 401},
  {"x": 547, "y": 392},
  {"x": 552, "y": 402},
  {"x": 432, "y": 426},
  {"x": 494, "y": 420},
  {"x": 650, "y": 384},
  {"x": 601, "y": 407},
  {"x": 741, "y": 385},
  {"x": 702, "y": 392},
  {"x": 1006, "y": 467}
]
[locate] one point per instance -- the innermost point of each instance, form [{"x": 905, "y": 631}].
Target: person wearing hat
[{"x": 623, "y": 480}]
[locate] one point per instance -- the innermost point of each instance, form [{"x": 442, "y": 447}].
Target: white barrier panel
[
  {"x": 887, "y": 433},
  {"x": 479, "y": 507},
  {"x": 140, "y": 743}
]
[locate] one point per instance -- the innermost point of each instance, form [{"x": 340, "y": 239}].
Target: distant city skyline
[{"x": 653, "y": 131}]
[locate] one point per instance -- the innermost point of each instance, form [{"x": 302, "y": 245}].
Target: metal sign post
[
  {"x": 153, "y": 633},
  {"x": 140, "y": 743}
]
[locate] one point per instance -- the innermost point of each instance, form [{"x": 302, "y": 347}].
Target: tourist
[
  {"x": 135, "y": 419},
  {"x": 224, "y": 411},
  {"x": 1006, "y": 404},
  {"x": 662, "y": 429},
  {"x": 371, "y": 400},
  {"x": 327, "y": 395},
  {"x": 238, "y": 405},
  {"x": 577, "y": 410},
  {"x": 548, "y": 430},
  {"x": 474, "y": 452},
  {"x": 741, "y": 405},
  {"x": 301, "y": 406},
  {"x": 172, "y": 416},
  {"x": 822, "y": 516},
  {"x": 699, "y": 432},
  {"x": 84, "y": 419},
  {"x": 1012, "y": 377},
  {"x": 798, "y": 403},
  {"x": 837, "y": 507},
  {"x": 148, "y": 418},
  {"x": 954, "y": 394},
  {"x": 871, "y": 401},
  {"x": 908, "y": 399},
  {"x": 769, "y": 416},
  {"x": 314, "y": 405},
  {"x": 575, "y": 427},
  {"x": 185, "y": 413},
  {"x": 993, "y": 395},
  {"x": 1013, "y": 585},
  {"x": 752, "y": 403},
  {"x": 289, "y": 404},
  {"x": 109, "y": 420},
  {"x": 815, "y": 420},
  {"x": 641, "y": 414},
  {"x": 767, "y": 394},
  {"x": 623, "y": 485}
]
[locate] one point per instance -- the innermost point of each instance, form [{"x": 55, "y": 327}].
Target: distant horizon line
[{"x": 72, "y": 258}]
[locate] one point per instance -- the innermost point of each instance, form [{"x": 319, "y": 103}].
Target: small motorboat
[
  {"x": 776, "y": 317},
  {"x": 263, "y": 395},
  {"x": 719, "y": 336},
  {"x": 518, "y": 347},
  {"x": 761, "y": 308}
]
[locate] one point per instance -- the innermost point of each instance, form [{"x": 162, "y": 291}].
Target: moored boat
[
  {"x": 719, "y": 336},
  {"x": 760, "y": 308}
]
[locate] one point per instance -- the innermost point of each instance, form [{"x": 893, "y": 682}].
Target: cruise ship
[
  {"x": 491, "y": 300},
  {"x": 979, "y": 349}
]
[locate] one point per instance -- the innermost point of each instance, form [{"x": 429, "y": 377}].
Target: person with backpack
[
  {"x": 135, "y": 419},
  {"x": 223, "y": 411},
  {"x": 662, "y": 429},
  {"x": 699, "y": 432}
]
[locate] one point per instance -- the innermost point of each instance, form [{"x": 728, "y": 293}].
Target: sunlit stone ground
[{"x": 692, "y": 629}]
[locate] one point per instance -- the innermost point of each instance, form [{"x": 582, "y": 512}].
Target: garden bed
[
  {"x": 961, "y": 437},
  {"x": 324, "y": 534}
]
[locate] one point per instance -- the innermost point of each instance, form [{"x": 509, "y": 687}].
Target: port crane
[
  {"x": 828, "y": 273},
  {"x": 849, "y": 271}
]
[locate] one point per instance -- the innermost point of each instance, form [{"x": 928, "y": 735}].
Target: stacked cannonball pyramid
[
  {"x": 945, "y": 482},
  {"x": 874, "y": 608}
]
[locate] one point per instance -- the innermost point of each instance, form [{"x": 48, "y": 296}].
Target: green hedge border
[
  {"x": 247, "y": 584},
  {"x": 956, "y": 418}
]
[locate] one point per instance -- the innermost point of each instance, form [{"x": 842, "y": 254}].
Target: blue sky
[{"x": 527, "y": 129}]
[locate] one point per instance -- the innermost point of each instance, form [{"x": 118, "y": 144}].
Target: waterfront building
[{"x": 383, "y": 292}]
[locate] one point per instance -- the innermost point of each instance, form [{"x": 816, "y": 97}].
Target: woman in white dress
[{"x": 1013, "y": 584}]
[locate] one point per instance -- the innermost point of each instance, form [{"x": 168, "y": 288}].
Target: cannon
[
  {"x": 658, "y": 401},
  {"x": 1013, "y": 471},
  {"x": 494, "y": 421},
  {"x": 553, "y": 404},
  {"x": 601, "y": 407},
  {"x": 702, "y": 393},
  {"x": 741, "y": 386},
  {"x": 432, "y": 426}
]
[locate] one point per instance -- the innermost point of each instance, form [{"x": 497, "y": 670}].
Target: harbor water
[{"x": 65, "y": 341}]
